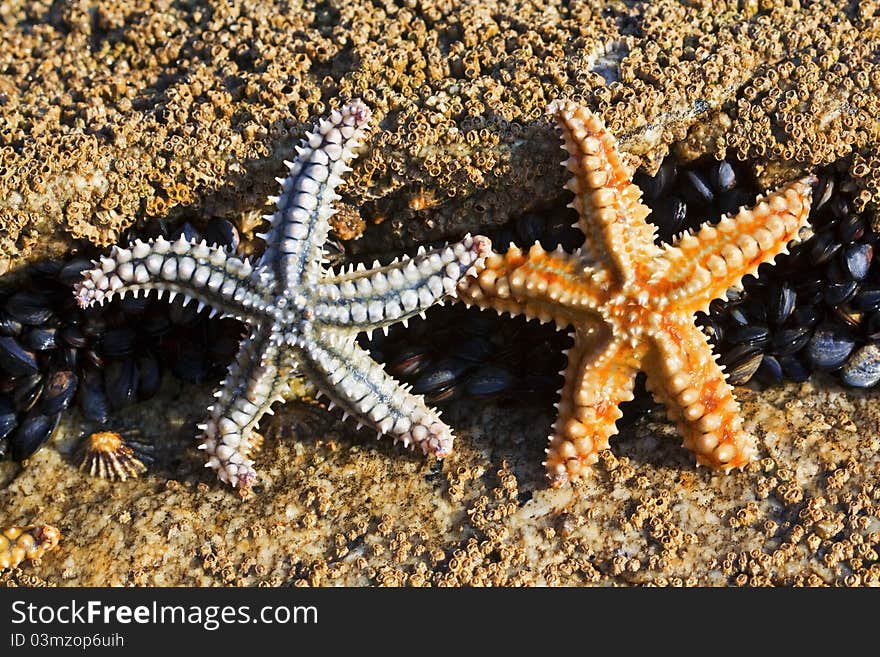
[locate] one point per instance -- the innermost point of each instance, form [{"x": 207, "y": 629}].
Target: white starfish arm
[
  {"x": 299, "y": 226},
  {"x": 255, "y": 380},
  {"x": 351, "y": 379},
  {"x": 365, "y": 300},
  {"x": 210, "y": 275}
]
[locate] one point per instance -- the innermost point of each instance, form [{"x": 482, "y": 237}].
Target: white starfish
[{"x": 303, "y": 318}]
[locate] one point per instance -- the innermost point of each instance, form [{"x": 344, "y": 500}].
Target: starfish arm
[
  {"x": 702, "y": 266},
  {"x": 354, "y": 381},
  {"x": 684, "y": 377},
  {"x": 600, "y": 376},
  {"x": 611, "y": 215},
  {"x": 299, "y": 226},
  {"x": 550, "y": 286},
  {"x": 255, "y": 380},
  {"x": 210, "y": 275},
  {"x": 369, "y": 299}
]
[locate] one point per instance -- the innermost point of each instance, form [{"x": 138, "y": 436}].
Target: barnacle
[{"x": 31, "y": 542}]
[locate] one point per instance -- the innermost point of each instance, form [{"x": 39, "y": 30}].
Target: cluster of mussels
[{"x": 53, "y": 353}]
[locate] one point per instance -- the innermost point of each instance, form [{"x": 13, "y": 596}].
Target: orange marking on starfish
[{"x": 632, "y": 304}]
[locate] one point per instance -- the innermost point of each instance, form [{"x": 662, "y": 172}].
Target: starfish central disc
[{"x": 632, "y": 303}]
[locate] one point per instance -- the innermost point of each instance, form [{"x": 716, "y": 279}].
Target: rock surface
[{"x": 337, "y": 507}]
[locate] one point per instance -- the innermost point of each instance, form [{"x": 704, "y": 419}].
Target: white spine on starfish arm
[
  {"x": 198, "y": 272},
  {"x": 294, "y": 327},
  {"x": 364, "y": 300},
  {"x": 299, "y": 226}
]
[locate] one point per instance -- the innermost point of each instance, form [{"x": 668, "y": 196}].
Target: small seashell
[
  {"x": 440, "y": 375},
  {"x": 8, "y": 419},
  {"x": 29, "y": 542},
  {"x": 29, "y": 308},
  {"x": 790, "y": 340},
  {"x": 15, "y": 359},
  {"x": 32, "y": 433},
  {"x": 862, "y": 370},
  {"x": 58, "y": 391},
  {"x": 782, "y": 303},
  {"x": 723, "y": 177},
  {"x": 829, "y": 347},
  {"x": 857, "y": 260},
  {"x": 106, "y": 454},
  {"x": 488, "y": 382},
  {"x": 741, "y": 363}
]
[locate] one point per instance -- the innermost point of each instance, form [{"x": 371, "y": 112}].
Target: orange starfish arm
[
  {"x": 600, "y": 375},
  {"x": 702, "y": 266},
  {"x": 538, "y": 284},
  {"x": 683, "y": 376},
  {"x": 610, "y": 212}
]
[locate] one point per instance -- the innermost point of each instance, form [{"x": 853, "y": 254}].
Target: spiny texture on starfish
[
  {"x": 303, "y": 318},
  {"x": 632, "y": 303}
]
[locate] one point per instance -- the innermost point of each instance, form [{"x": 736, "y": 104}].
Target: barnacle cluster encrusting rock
[{"x": 144, "y": 108}]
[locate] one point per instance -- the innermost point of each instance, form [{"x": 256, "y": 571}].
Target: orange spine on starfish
[
  {"x": 607, "y": 201},
  {"x": 535, "y": 284},
  {"x": 599, "y": 377},
  {"x": 633, "y": 306},
  {"x": 683, "y": 375},
  {"x": 700, "y": 267}
]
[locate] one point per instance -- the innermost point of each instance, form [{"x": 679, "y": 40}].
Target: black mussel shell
[
  {"x": 15, "y": 359},
  {"x": 150, "y": 376},
  {"x": 221, "y": 232},
  {"x": 488, "y": 382},
  {"x": 830, "y": 346},
  {"x": 32, "y": 433},
  {"x": 58, "y": 392},
  {"x": 862, "y": 370},
  {"x": 41, "y": 339},
  {"x": 440, "y": 375},
  {"x": 29, "y": 308},
  {"x": 71, "y": 273},
  {"x": 93, "y": 401},
  {"x": 121, "y": 382},
  {"x": 8, "y": 418},
  {"x": 27, "y": 391}
]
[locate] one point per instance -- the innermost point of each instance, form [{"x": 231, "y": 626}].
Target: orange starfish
[{"x": 632, "y": 303}]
